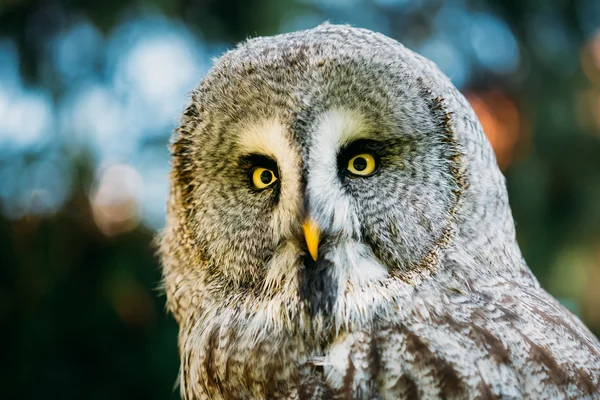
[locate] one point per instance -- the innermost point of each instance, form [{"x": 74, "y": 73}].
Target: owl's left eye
[
  {"x": 360, "y": 159},
  {"x": 362, "y": 165},
  {"x": 262, "y": 178}
]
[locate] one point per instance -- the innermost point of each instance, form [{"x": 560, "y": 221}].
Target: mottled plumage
[{"x": 419, "y": 289}]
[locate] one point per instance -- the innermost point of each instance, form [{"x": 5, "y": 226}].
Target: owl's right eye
[{"x": 261, "y": 178}]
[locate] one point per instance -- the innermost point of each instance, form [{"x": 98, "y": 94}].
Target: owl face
[
  {"x": 309, "y": 177},
  {"x": 327, "y": 186}
]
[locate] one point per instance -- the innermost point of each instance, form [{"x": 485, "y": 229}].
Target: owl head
[{"x": 318, "y": 176}]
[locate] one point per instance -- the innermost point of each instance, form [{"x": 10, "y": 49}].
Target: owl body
[{"x": 409, "y": 283}]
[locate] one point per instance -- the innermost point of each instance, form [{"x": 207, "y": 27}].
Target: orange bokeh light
[
  {"x": 501, "y": 123},
  {"x": 590, "y": 59}
]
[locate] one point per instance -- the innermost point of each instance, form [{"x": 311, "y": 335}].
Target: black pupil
[
  {"x": 266, "y": 176},
  {"x": 360, "y": 164}
]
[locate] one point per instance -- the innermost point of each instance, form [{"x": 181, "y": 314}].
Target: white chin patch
[
  {"x": 355, "y": 265},
  {"x": 360, "y": 290}
]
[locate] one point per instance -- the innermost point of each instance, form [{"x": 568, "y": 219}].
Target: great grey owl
[{"x": 338, "y": 227}]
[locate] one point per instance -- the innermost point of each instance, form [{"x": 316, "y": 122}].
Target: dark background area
[{"x": 91, "y": 90}]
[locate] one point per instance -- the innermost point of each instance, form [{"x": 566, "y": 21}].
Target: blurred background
[{"x": 90, "y": 92}]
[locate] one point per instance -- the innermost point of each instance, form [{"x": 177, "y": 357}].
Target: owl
[{"x": 338, "y": 228}]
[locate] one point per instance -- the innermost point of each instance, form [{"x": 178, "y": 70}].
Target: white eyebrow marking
[
  {"x": 266, "y": 137},
  {"x": 335, "y": 128},
  {"x": 339, "y": 127}
]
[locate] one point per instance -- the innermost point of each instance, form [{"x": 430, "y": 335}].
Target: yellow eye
[
  {"x": 362, "y": 165},
  {"x": 262, "y": 178}
]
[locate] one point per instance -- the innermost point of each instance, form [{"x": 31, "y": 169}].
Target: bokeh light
[
  {"x": 115, "y": 199},
  {"x": 501, "y": 123},
  {"x": 590, "y": 59}
]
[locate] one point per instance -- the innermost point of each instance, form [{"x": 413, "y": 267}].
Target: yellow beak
[{"x": 311, "y": 234}]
